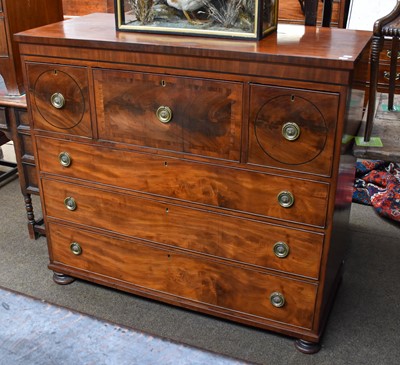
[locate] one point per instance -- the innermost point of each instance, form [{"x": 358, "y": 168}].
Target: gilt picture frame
[{"x": 242, "y": 19}]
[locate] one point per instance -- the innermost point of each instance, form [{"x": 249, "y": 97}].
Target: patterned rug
[{"x": 377, "y": 183}]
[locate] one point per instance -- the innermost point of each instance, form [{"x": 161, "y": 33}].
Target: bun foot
[
  {"x": 62, "y": 279},
  {"x": 307, "y": 347}
]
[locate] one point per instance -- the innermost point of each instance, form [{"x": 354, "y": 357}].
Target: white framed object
[{"x": 363, "y": 14}]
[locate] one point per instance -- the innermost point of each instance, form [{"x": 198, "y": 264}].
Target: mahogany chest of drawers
[{"x": 206, "y": 173}]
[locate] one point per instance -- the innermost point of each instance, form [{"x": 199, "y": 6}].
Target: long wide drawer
[
  {"x": 236, "y": 189},
  {"x": 252, "y": 242},
  {"x": 192, "y": 279}
]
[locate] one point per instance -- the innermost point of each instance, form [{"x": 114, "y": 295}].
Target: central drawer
[
  {"x": 248, "y": 241},
  {"x": 183, "y": 114},
  {"x": 193, "y": 279},
  {"x": 207, "y": 184}
]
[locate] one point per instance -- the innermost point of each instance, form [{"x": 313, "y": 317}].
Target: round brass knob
[
  {"x": 57, "y": 100},
  {"x": 285, "y": 199},
  {"x": 164, "y": 114},
  {"x": 291, "y": 131},
  {"x": 281, "y": 250},
  {"x": 277, "y": 299},
  {"x": 70, "y": 203},
  {"x": 65, "y": 159},
  {"x": 75, "y": 248}
]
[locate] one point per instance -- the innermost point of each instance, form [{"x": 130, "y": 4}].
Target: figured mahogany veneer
[
  {"x": 196, "y": 278},
  {"x": 206, "y": 184},
  {"x": 235, "y": 238},
  {"x": 205, "y": 173}
]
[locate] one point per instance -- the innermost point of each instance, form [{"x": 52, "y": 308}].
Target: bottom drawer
[{"x": 190, "y": 280}]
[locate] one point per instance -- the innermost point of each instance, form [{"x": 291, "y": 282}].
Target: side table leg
[{"x": 30, "y": 215}]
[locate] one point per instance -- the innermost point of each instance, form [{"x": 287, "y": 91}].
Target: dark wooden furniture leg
[
  {"x": 376, "y": 48},
  {"x": 311, "y": 11},
  {"x": 387, "y": 26},
  {"x": 35, "y": 227},
  {"x": 393, "y": 72},
  {"x": 327, "y": 13}
]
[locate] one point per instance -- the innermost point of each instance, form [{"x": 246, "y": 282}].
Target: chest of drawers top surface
[{"x": 294, "y": 44}]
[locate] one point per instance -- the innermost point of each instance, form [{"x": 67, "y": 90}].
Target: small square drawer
[
  {"x": 60, "y": 98},
  {"x": 292, "y": 128}
]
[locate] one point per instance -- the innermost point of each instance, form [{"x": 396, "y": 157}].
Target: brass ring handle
[
  {"x": 277, "y": 299},
  {"x": 65, "y": 159},
  {"x": 57, "y": 100},
  {"x": 75, "y": 248},
  {"x": 389, "y": 54},
  {"x": 70, "y": 203},
  {"x": 386, "y": 75},
  {"x": 164, "y": 114},
  {"x": 285, "y": 199},
  {"x": 290, "y": 131},
  {"x": 281, "y": 249}
]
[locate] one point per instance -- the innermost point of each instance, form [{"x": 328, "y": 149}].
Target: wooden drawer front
[
  {"x": 3, "y": 38},
  {"x": 203, "y": 282},
  {"x": 275, "y": 111},
  {"x": 54, "y": 82},
  {"x": 215, "y": 234},
  {"x": 227, "y": 188},
  {"x": 206, "y": 114}
]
